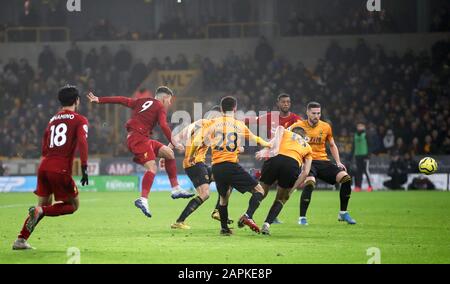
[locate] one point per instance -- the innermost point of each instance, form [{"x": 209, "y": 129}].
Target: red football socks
[
  {"x": 171, "y": 169},
  {"x": 147, "y": 182},
  {"x": 24, "y": 233}
]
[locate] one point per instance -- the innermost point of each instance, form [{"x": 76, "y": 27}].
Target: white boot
[{"x": 21, "y": 244}]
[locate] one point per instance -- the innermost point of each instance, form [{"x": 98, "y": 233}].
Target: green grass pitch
[{"x": 407, "y": 227}]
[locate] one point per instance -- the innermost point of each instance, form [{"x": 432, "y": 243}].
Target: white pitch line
[
  {"x": 22, "y": 205},
  {"x": 12, "y": 205}
]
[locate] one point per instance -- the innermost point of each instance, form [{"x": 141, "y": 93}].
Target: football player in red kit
[
  {"x": 66, "y": 132},
  {"x": 146, "y": 113},
  {"x": 285, "y": 118}
]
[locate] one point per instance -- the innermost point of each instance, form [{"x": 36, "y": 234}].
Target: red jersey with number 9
[
  {"x": 146, "y": 113},
  {"x": 66, "y": 131}
]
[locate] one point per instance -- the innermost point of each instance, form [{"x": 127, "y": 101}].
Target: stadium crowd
[
  {"x": 403, "y": 98},
  {"x": 344, "y": 20}
]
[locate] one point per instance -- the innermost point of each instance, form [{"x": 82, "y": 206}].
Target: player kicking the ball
[
  {"x": 66, "y": 131},
  {"x": 224, "y": 135},
  {"x": 194, "y": 165},
  {"x": 146, "y": 113}
]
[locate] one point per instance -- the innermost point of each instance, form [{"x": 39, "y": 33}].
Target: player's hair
[
  {"x": 68, "y": 95},
  {"x": 283, "y": 95},
  {"x": 312, "y": 105},
  {"x": 299, "y": 130},
  {"x": 164, "y": 90},
  {"x": 228, "y": 103}
]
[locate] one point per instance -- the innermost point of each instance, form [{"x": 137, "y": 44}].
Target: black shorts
[
  {"x": 229, "y": 174},
  {"x": 280, "y": 168},
  {"x": 324, "y": 170},
  {"x": 199, "y": 174}
]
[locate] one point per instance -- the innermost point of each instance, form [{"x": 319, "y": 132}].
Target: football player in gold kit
[{"x": 319, "y": 133}]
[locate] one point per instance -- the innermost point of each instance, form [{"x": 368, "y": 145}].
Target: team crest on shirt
[{"x": 316, "y": 140}]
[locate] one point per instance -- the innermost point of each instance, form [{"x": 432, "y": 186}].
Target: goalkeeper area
[{"x": 393, "y": 227}]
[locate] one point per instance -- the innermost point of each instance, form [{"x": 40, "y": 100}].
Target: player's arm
[
  {"x": 162, "y": 121},
  {"x": 275, "y": 148},
  {"x": 307, "y": 161},
  {"x": 276, "y": 141},
  {"x": 181, "y": 137},
  {"x": 128, "y": 102},
  {"x": 82, "y": 133},
  {"x": 335, "y": 153},
  {"x": 294, "y": 125},
  {"x": 201, "y": 138},
  {"x": 249, "y": 135}
]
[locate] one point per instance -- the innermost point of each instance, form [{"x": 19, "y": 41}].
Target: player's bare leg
[
  {"x": 282, "y": 197},
  {"x": 266, "y": 188},
  {"x": 147, "y": 182},
  {"x": 305, "y": 199},
  {"x": 194, "y": 203},
  {"x": 253, "y": 204},
  {"x": 168, "y": 155},
  {"x": 223, "y": 211},
  {"x": 344, "y": 193}
]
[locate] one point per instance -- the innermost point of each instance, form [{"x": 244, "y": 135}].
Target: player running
[
  {"x": 289, "y": 153},
  {"x": 224, "y": 137},
  {"x": 319, "y": 133},
  {"x": 146, "y": 113},
  {"x": 66, "y": 131}
]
